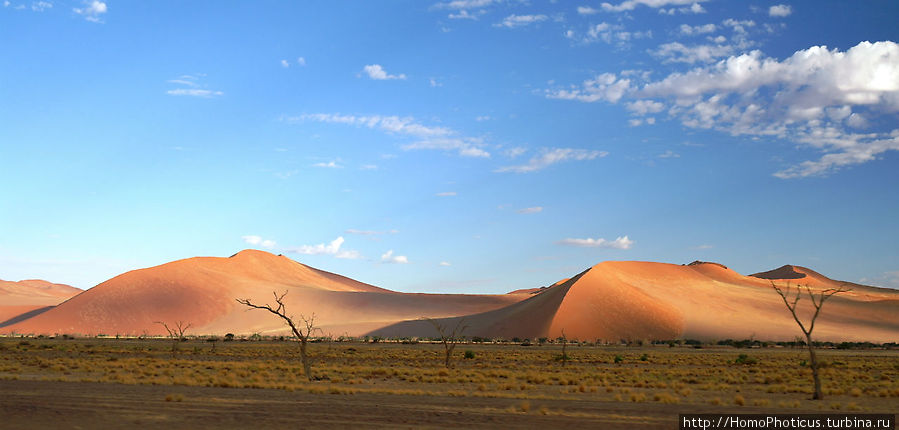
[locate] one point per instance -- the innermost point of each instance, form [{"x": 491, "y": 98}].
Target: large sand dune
[
  {"x": 23, "y": 299},
  {"x": 613, "y": 300},
  {"x": 629, "y": 300},
  {"x": 202, "y": 291}
]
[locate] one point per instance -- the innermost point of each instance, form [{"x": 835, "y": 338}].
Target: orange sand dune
[
  {"x": 202, "y": 291},
  {"x": 30, "y": 297},
  {"x": 628, "y": 300},
  {"x": 611, "y": 301}
]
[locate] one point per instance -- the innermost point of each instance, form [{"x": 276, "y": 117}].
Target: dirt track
[{"x": 73, "y": 405}]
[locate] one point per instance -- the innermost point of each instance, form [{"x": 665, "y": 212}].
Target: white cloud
[
  {"x": 586, "y": 10},
  {"x": 609, "y": 33},
  {"x": 445, "y": 264},
  {"x": 5, "y": 3},
  {"x": 514, "y": 21},
  {"x": 809, "y": 98},
  {"x": 301, "y": 61},
  {"x": 332, "y": 248},
  {"x": 550, "y": 156},
  {"x": 697, "y": 29},
  {"x": 92, "y": 11},
  {"x": 376, "y": 72},
  {"x": 38, "y": 6},
  {"x": 692, "y": 9},
  {"x": 464, "y": 14},
  {"x": 780, "y": 10},
  {"x": 388, "y": 257},
  {"x": 669, "y": 154},
  {"x": 193, "y": 87},
  {"x": 258, "y": 241},
  {"x": 514, "y": 152},
  {"x": 675, "y": 52},
  {"x": 369, "y": 232},
  {"x": 483, "y": 118},
  {"x": 433, "y": 83},
  {"x": 606, "y": 87},
  {"x": 328, "y": 165},
  {"x": 632, "y": 4},
  {"x": 447, "y": 194},
  {"x": 464, "y": 4},
  {"x": 531, "y": 210},
  {"x": 621, "y": 242},
  {"x": 285, "y": 64},
  {"x": 889, "y": 279},
  {"x": 644, "y": 107},
  {"x": 429, "y": 137},
  {"x": 194, "y": 92}
]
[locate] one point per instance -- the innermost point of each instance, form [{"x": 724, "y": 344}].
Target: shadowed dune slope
[
  {"x": 629, "y": 300},
  {"x": 30, "y": 296},
  {"x": 202, "y": 291}
]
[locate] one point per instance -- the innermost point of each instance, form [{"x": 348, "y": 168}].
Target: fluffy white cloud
[
  {"x": 285, "y": 64},
  {"x": 445, "y": 263},
  {"x": 697, "y": 29},
  {"x": 464, "y": 4},
  {"x": 809, "y": 98},
  {"x": 447, "y": 194},
  {"x": 332, "y": 248},
  {"x": 632, "y": 4},
  {"x": 531, "y": 210},
  {"x": 514, "y": 21},
  {"x": 587, "y": 10},
  {"x": 609, "y": 33},
  {"x": 92, "y": 11},
  {"x": 676, "y": 52},
  {"x": 644, "y": 107},
  {"x": 301, "y": 61},
  {"x": 258, "y": 241},
  {"x": 388, "y": 257},
  {"x": 606, "y": 86},
  {"x": 376, "y": 72},
  {"x": 780, "y": 10},
  {"x": 429, "y": 137},
  {"x": 550, "y": 156},
  {"x": 621, "y": 242}
]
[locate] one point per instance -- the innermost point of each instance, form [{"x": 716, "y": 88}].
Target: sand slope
[
  {"x": 29, "y": 297},
  {"x": 202, "y": 291},
  {"x": 611, "y": 301},
  {"x": 629, "y": 300}
]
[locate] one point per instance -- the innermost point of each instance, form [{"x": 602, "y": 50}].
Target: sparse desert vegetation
[{"x": 757, "y": 379}]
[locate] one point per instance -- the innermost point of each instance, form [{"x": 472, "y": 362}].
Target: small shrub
[
  {"x": 469, "y": 354},
  {"x": 525, "y": 406},
  {"x": 618, "y": 359},
  {"x": 644, "y": 357},
  {"x": 746, "y": 360},
  {"x": 739, "y": 400}
]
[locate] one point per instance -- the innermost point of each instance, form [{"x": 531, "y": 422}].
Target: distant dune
[
  {"x": 612, "y": 301},
  {"x": 23, "y": 299}
]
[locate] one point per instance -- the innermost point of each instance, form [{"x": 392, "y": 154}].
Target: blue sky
[{"x": 470, "y": 146}]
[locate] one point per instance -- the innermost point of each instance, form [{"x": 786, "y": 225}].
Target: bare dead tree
[
  {"x": 564, "y": 357},
  {"x": 302, "y": 332},
  {"x": 450, "y": 339},
  {"x": 817, "y": 302},
  {"x": 176, "y": 333}
]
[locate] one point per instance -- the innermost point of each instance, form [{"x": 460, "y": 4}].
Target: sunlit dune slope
[
  {"x": 23, "y": 298},
  {"x": 628, "y": 300},
  {"x": 202, "y": 291}
]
